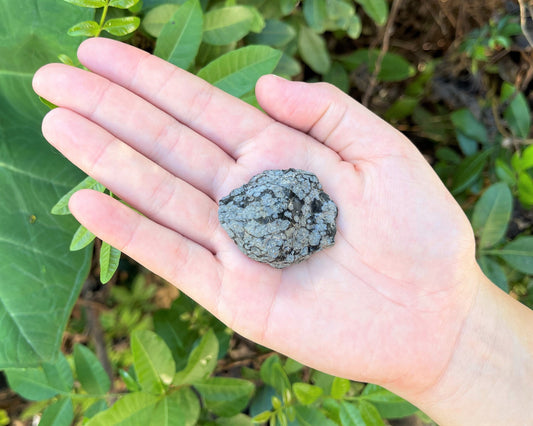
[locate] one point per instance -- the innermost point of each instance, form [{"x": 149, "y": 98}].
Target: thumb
[{"x": 329, "y": 115}]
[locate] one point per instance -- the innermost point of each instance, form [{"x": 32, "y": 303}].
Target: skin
[{"x": 398, "y": 301}]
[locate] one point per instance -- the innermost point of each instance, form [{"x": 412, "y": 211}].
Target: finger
[
  {"x": 330, "y": 116},
  {"x": 211, "y": 112},
  {"x": 163, "y": 251},
  {"x": 135, "y": 121},
  {"x": 144, "y": 185}
]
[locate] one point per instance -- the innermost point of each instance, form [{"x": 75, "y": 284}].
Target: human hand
[{"x": 385, "y": 304}]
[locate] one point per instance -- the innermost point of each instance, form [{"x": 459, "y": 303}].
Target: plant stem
[{"x": 102, "y": 19}]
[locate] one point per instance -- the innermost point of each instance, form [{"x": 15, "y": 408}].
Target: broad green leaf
[
  {"x": 526, "y": 159},
  {"x": 99, "y": 406},
  {"x": 287, "y": 6},
  {"x": 122, "y": 26},
  {"x": 123, "y": 4},
  {"x": 492, "y": 213},
  {"x": 225, "y": 396},
  {"x": 355, "y": 27},
  {"x": 81, "y": 238},
  {"x": 238, "y": 420},
  {"x": 315, "y": 14},
  {"x": 84, "y": 29},
  {"x": 338, "y": 76},
  {"x": 88, "y": 3},
  {"x": 306, "y": 393},
  {"x": 517, "y": 114},
  {"x": 154, "y": 365},
  {"x": 525, "y": 189},
  {"x": 350, "y": 415},
  {"x": 60, "y": 413},
  {"x": 40, "y": 383},
  {"x": 311, "y": 416},
  {"x": 61, "y": 207},
  {"x": 201, "y": 363},
  {"x": 237, "y": 72},
  {"x": 494, "y": 272},
  {"x": 389, "y": 405},
  {"x": 272, "y": 373},
  {"x": 504, "y": 172},
  {"x": 180, "y": 38},
  {"x": 339, "y": 387},
  {"x": 394, "y": 67},
  {"x": 402, "y": 108},
  {"x": 469, "y": 170},
  {"x": 132, "y": 409},
  {"x": 227, "y": 24},
  {"x": 33, "y": 242},
  {"x": 109, "y": 260},
  {"x": 258, "y": 21},
  {"x": 275, "y": 33},
  {"x": 470, "y": 126},
  {"x": 179, "y": 408},
  {"x": 468, "y": 146},
  {"x": 378, "y": 10},
  {"x": 287, "y": 66},
  {"x": 370, "y": 414},
  {"x": 156, "y": 18},
  {"x": 92, "y": 376},
  {"x": 313, "y": 50},
  {"x": 518, "y": 253}
]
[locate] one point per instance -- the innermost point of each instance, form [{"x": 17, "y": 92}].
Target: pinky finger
[{"x": 177, "y": 259}]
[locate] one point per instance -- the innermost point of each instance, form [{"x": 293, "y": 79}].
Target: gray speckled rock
[{"x": 280, "y": 217}]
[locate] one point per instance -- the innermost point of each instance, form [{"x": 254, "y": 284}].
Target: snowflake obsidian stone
[{"x": 280, "y": 217}]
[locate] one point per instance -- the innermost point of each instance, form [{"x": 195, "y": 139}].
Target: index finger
[{"x": 218, "y": 116}]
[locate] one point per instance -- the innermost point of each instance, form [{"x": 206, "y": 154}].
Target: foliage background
[{"x": 454, "y": 76}]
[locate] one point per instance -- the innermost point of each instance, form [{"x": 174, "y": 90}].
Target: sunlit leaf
[
  {"x": 92, "y": 376},
  {"x": 378, "y": 10},
  {"x": 84, "y": 29},
  {"x": 109, "y": 260},
  {"x": 88, "y": 3},
  {"x": 122, "y": 26},
  {"x": 227, "y": 24}
]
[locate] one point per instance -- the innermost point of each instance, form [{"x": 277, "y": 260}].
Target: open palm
[{"x": 385, "y": 304}]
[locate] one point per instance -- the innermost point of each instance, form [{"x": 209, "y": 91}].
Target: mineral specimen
[{"x": 280, "y": 217}]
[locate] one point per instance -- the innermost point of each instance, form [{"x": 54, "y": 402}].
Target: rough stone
[{"x": 279, "y": 217}]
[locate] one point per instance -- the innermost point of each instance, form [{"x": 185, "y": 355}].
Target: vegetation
[{"x": 455, "y": 76}]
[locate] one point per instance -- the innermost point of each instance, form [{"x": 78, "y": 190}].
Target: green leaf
[
  {"x": 350, "y": 415},
  {"x": 88, "y": 3},
  {"x": 179, "y": 408},
  {"x": 109, "y": 260},
  {"x": 370, "y": 414},
  {"x": 311, "y": 416},
  {"x": 275, "y": 33},
  {"x": 132, "y": 409},
  {"x": 389, "y": 405},
  {"x": 225, "y": 396},
  {"x": 525, "y": 189},
  {"x": 153, "y": 361},
  {"x": 84, "y": 29},
  {"x": 339, "y": 387},
  {"x": 338, "y": 76},
  {"x": 238, "y": 420},
  {"x": 518, "y": 253},
  {"x": 237, "y": 72},
  {"x": 201, "y": 363},
  {"x": 258, "y": 21},
  {"x": 180, "y": 38},
  {"x": 122, "y": 26},
  {"x": 287, "y": 6},
  {"x": 355, "y": 27},
  {"x": 129, "y": 381},
  {"x": 272, "y": 373},
  {"x": 60, "y": 413},
  {"x": 40, "y": 279},
  {"x": 156, "y": 18},
  {"x": 517, "y": 114},
  {"x": 227, "y": 24},
  {"x": 526, "y": 159},
  {"x": 394, "y": 67},
  {"x": 494, "y": 272},
  {"x": 40, "y": 383},
  {"x": 313, "y": 50},
  {"x": 378, "y": 10},
  {"x": 61, "y": 207},
  {"x": 492, "y": 213},
  {"x": 306, "y": 393},
  {"x": 92, "y": 376},
  {"x": 262, "y": 417},
  {"x": 81, "y": 238},
  {"x": 123, "y": 4},
  {"x": 504, "y": 172},
  {"x": 315, "y": 14},
  {"x": 470, "y": 126},
  {"x": 469, "y": 170}
]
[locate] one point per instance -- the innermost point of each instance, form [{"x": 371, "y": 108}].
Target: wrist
[{"x": 488, "y": 379}]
